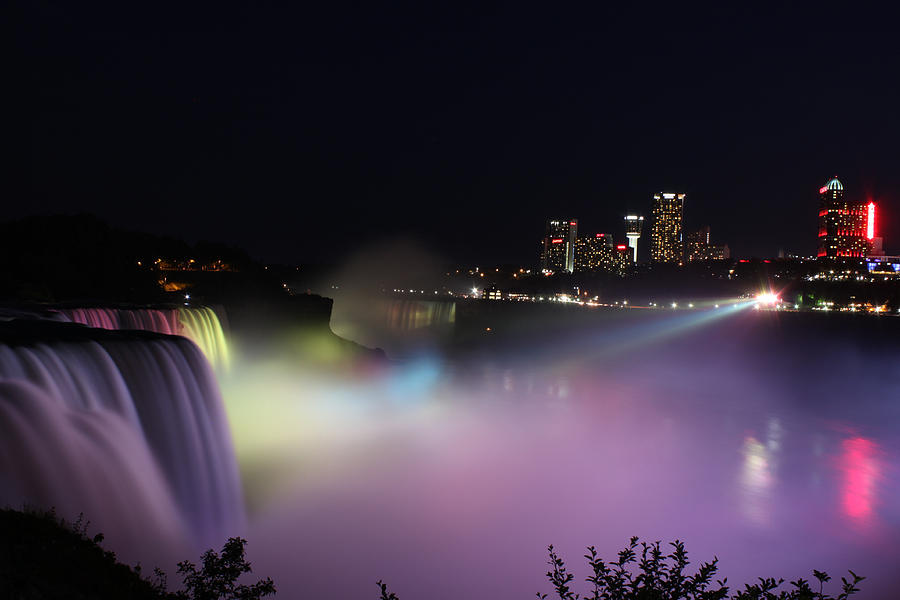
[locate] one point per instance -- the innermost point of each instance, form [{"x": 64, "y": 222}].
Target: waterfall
[
  {"x": 83, "y": 462},
  {"x": 415, "y": 314},
  {"x": 112, "y": 422},
  {"x": 200, "y": 324},
  {"x": 146, "y": 319}
]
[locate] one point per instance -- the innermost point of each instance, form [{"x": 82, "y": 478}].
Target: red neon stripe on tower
[{"x": 870, "y": 223}]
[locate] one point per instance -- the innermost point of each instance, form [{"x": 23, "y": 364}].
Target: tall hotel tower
[
  {"x": 666, "y": 242},
  {"x": 843, "y": 225},
  {"x": 558, "y": 250}
]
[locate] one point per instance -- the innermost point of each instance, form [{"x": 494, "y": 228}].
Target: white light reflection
[{"x": 756, "y": 482}]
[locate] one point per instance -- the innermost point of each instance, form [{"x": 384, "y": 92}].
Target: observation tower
[{"x": 633, "y": 226}]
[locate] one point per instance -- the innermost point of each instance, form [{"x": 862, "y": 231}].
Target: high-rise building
[
  {"x": 621, "y": 259},
  {"x": 698, "y": 247},
  {"x": 593, "y": 254},
  {"x": 634, "y": 224},
  {"x": 666, "y": 243},
  {"x": 558, "y": 250},
  {"x": 696, "y": 243},
  {"x": 843, "y": 224}
]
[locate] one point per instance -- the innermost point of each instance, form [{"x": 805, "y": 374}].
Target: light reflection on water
[
  {"x": 756, "y": 482},
  {"x": 859, "y": 464},
  {"x": 448, "y": 478}
]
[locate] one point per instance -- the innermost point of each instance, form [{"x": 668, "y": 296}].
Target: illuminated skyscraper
[
  {"x": 666, "y": 243},
  {"x": 593, "y": 254},
  {"x": 633, "y": 226},
  {"x": 558, "y": 251},
  {"x": 843, "y": 225},
  {"x": 621, "y": 259}
]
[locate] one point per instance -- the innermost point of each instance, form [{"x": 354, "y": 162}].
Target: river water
[{"x": 771, "y": 441}]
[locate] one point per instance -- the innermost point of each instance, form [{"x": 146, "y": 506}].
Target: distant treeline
[{"x": 73, "y": 258}]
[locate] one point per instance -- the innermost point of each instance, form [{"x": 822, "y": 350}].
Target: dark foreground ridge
[{"x": 43, "y": 557}]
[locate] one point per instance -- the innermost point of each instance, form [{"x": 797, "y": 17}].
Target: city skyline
[
  {"x": 469, "y": 117},
  {"x": 846, "y": 229}
]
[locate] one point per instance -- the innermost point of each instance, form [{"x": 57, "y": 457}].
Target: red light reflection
[{"x": 859, "y": 463}]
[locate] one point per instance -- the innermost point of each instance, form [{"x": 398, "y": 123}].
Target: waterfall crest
[{"x": 200, "y": 324}]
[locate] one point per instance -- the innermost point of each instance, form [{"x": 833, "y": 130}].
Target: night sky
[{"x": 306, "y": 133}]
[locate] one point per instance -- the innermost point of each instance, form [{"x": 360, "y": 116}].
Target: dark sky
[{"x": 307, "y": 132}]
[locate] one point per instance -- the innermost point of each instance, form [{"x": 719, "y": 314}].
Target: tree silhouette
[{"x": 217, "y": 577}]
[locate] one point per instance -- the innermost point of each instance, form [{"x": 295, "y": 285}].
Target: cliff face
[{"x": 280, "y": 324}]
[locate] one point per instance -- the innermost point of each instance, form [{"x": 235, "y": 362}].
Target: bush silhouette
[
  {"x": 217, "y": 578},
  {"x": 644, "y": 572}
]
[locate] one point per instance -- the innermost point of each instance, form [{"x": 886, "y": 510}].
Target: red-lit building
[
  {"x": 844, "y": 228},
  {"x": 558, "y": 247},
  {"x": 622, "y": 258}
]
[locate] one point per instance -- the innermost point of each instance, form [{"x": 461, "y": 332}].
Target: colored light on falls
[
  {"x": 129, "y": 429},
  {"x": 200, "y": 324}
]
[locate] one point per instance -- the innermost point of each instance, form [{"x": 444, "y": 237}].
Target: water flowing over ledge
[
  {"x": 125, "y": 426},
  {"x": 200, "y": 324}
]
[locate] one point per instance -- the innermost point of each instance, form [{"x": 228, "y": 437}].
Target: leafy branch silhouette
[{"x": 643, "y": 571}]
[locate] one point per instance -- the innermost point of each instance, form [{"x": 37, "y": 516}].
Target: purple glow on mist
[
  {"x": 746, "y": 445},
  {"x": 764, "y": 439}
]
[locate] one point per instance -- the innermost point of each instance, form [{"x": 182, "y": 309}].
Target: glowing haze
[
  {"x": 761, "y": 437},
  {"x": 448, "y": 476}
]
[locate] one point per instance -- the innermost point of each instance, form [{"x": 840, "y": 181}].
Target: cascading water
[
  {"x": 146, "y": 319},
  {"x": 114, "y": 424},
  {"x": 88, "y": 462},
  {"x": 416, "y": 314},
  {"x": 200, "y": 324},
  {"x": 400, "y": 326}
]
